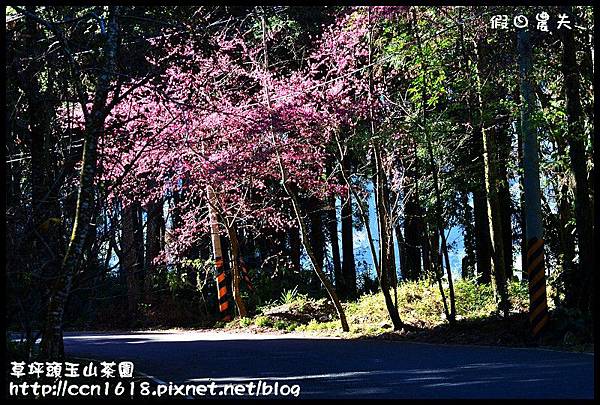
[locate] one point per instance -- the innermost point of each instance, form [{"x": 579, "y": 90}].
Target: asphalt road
[{"x": 335, "y": 368}]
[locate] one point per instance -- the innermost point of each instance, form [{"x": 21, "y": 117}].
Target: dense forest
[{"x": 184, "y": 166}]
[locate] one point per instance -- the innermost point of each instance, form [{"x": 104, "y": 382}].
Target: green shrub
[
  {"x": 292, "y": 297},
  {"x": 280, "y": 325},
  {"x": 263, "y": 321},
  {"x": 245, "y": 322},
  {"x": 519, "y": 295},
  {"x": 473, "y": 300},
  {"x": 319, "y": 326},
  {"x": 419, "y": 303},
  {"x": 288, "y": 296},
  {"x": 219, "y": 324}
]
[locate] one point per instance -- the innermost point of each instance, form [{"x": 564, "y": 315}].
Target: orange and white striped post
[
  {"x": 221, "y": 278},
  {"x": 538, "y": 306}
]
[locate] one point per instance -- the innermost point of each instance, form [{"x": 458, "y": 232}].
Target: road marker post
[
  {"x": 221, "y": 277},
  {"x": 222, "y": 290},
  {"x": 538, "y": 305}
]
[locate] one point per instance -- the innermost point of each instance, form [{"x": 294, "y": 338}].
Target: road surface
[{"x": 335, "y": 368}]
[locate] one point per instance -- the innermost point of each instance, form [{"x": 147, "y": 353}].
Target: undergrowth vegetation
[{"x": 419, "y": 302}]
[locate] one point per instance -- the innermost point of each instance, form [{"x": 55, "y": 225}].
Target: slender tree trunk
[
  {"x": 384, "y": 223},
  {"x": 314, "y": 261},
  {"x": 332, "y": 230},
  {"x": 384, "y": 215},
  {"x": 47, "y": 244},
  {"x": 493, "y": 202},
  {"x": 236, "y": 271},
  {"x": 317, "y": 266},
  {"x": 468, "y": 265},
  {"x": 391, "y": 224},
  {"x": 577, "y": 150},
  {"x": 503, "y": 154},
  {"x": 295, "y": 248},
  {"x": 482, "y": 226},
  {"x": 52, "y": 343},
  {"x": 440, "y": 230},
  {"x": 523, "y": 222},
  {"x": 154, "y": 221},
  {"x": 482, "y": 237},
  {"x": 412, "y": 236},
  {"x": 436, "y": 183},
  {"x": 566, "y": 232},
  {"x": 296, "y": 206},
  {"x": 348, "y": 265},
  {"x": 317, "y": 234},
  {"x": 132, "y": 262}
]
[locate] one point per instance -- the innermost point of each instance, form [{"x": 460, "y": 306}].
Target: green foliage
[
  {"x": 281, "y": 282},
  {"x": 292, "y": 296},
  {"x": 473, "y": 300},
  {"x": 288, "y": 296},
  {"x": 263, "y": 321},
  {"x": 420, "y": 304},
  {"x": 315, "y": 326},
  {"x": 219, "y": 324},
  {"x": 244, "y": 322},
  {"x": 519, "y": 295},
  {"x": 292, "y": 326},
  {"x": 280, "y": 325}
]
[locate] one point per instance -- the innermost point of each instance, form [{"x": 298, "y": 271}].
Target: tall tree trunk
[
  {"x": 332, "y": 230},
  {"x": 385, "y": 224},
  {"x": 317, "y": 234},
  {"x": 503, "y": 153},
  {"x": 482, "y": 227},
  {"x": 413, "y": 235},
  {"x": 316, "y": 264},
  {"x": 436, "y": 182},
  {"x": 482, "y": 237},
  {"x": 391, "y": 224},
  {"x": 236, "y": 271},
  {"x": 468, "y": 265},
  {"x": 523, "y": 222},
  {"x": 426, "y": 245},
  {"x": 52, "y": 343},
  {"x": 440, "y": 228},
  {"x": 384, "y": 214},
  {"x": 154, "y": 222},
  {"x": 566, "y": 231},
  {"x": 295, "y": 248},
  {"x": 132, "y": 261},
  {"x": 47, "y": 245},
  {"x": 401, "y": 248},
  {"x": 348, "y": 265},
  {"x": 577, "y": 151},
  {"x": 493, "y": 202}
]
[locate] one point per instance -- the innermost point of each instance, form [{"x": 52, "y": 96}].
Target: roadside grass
[
  {"x": 419, "y": 303},
  {"x": 421, "y": 308}
]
